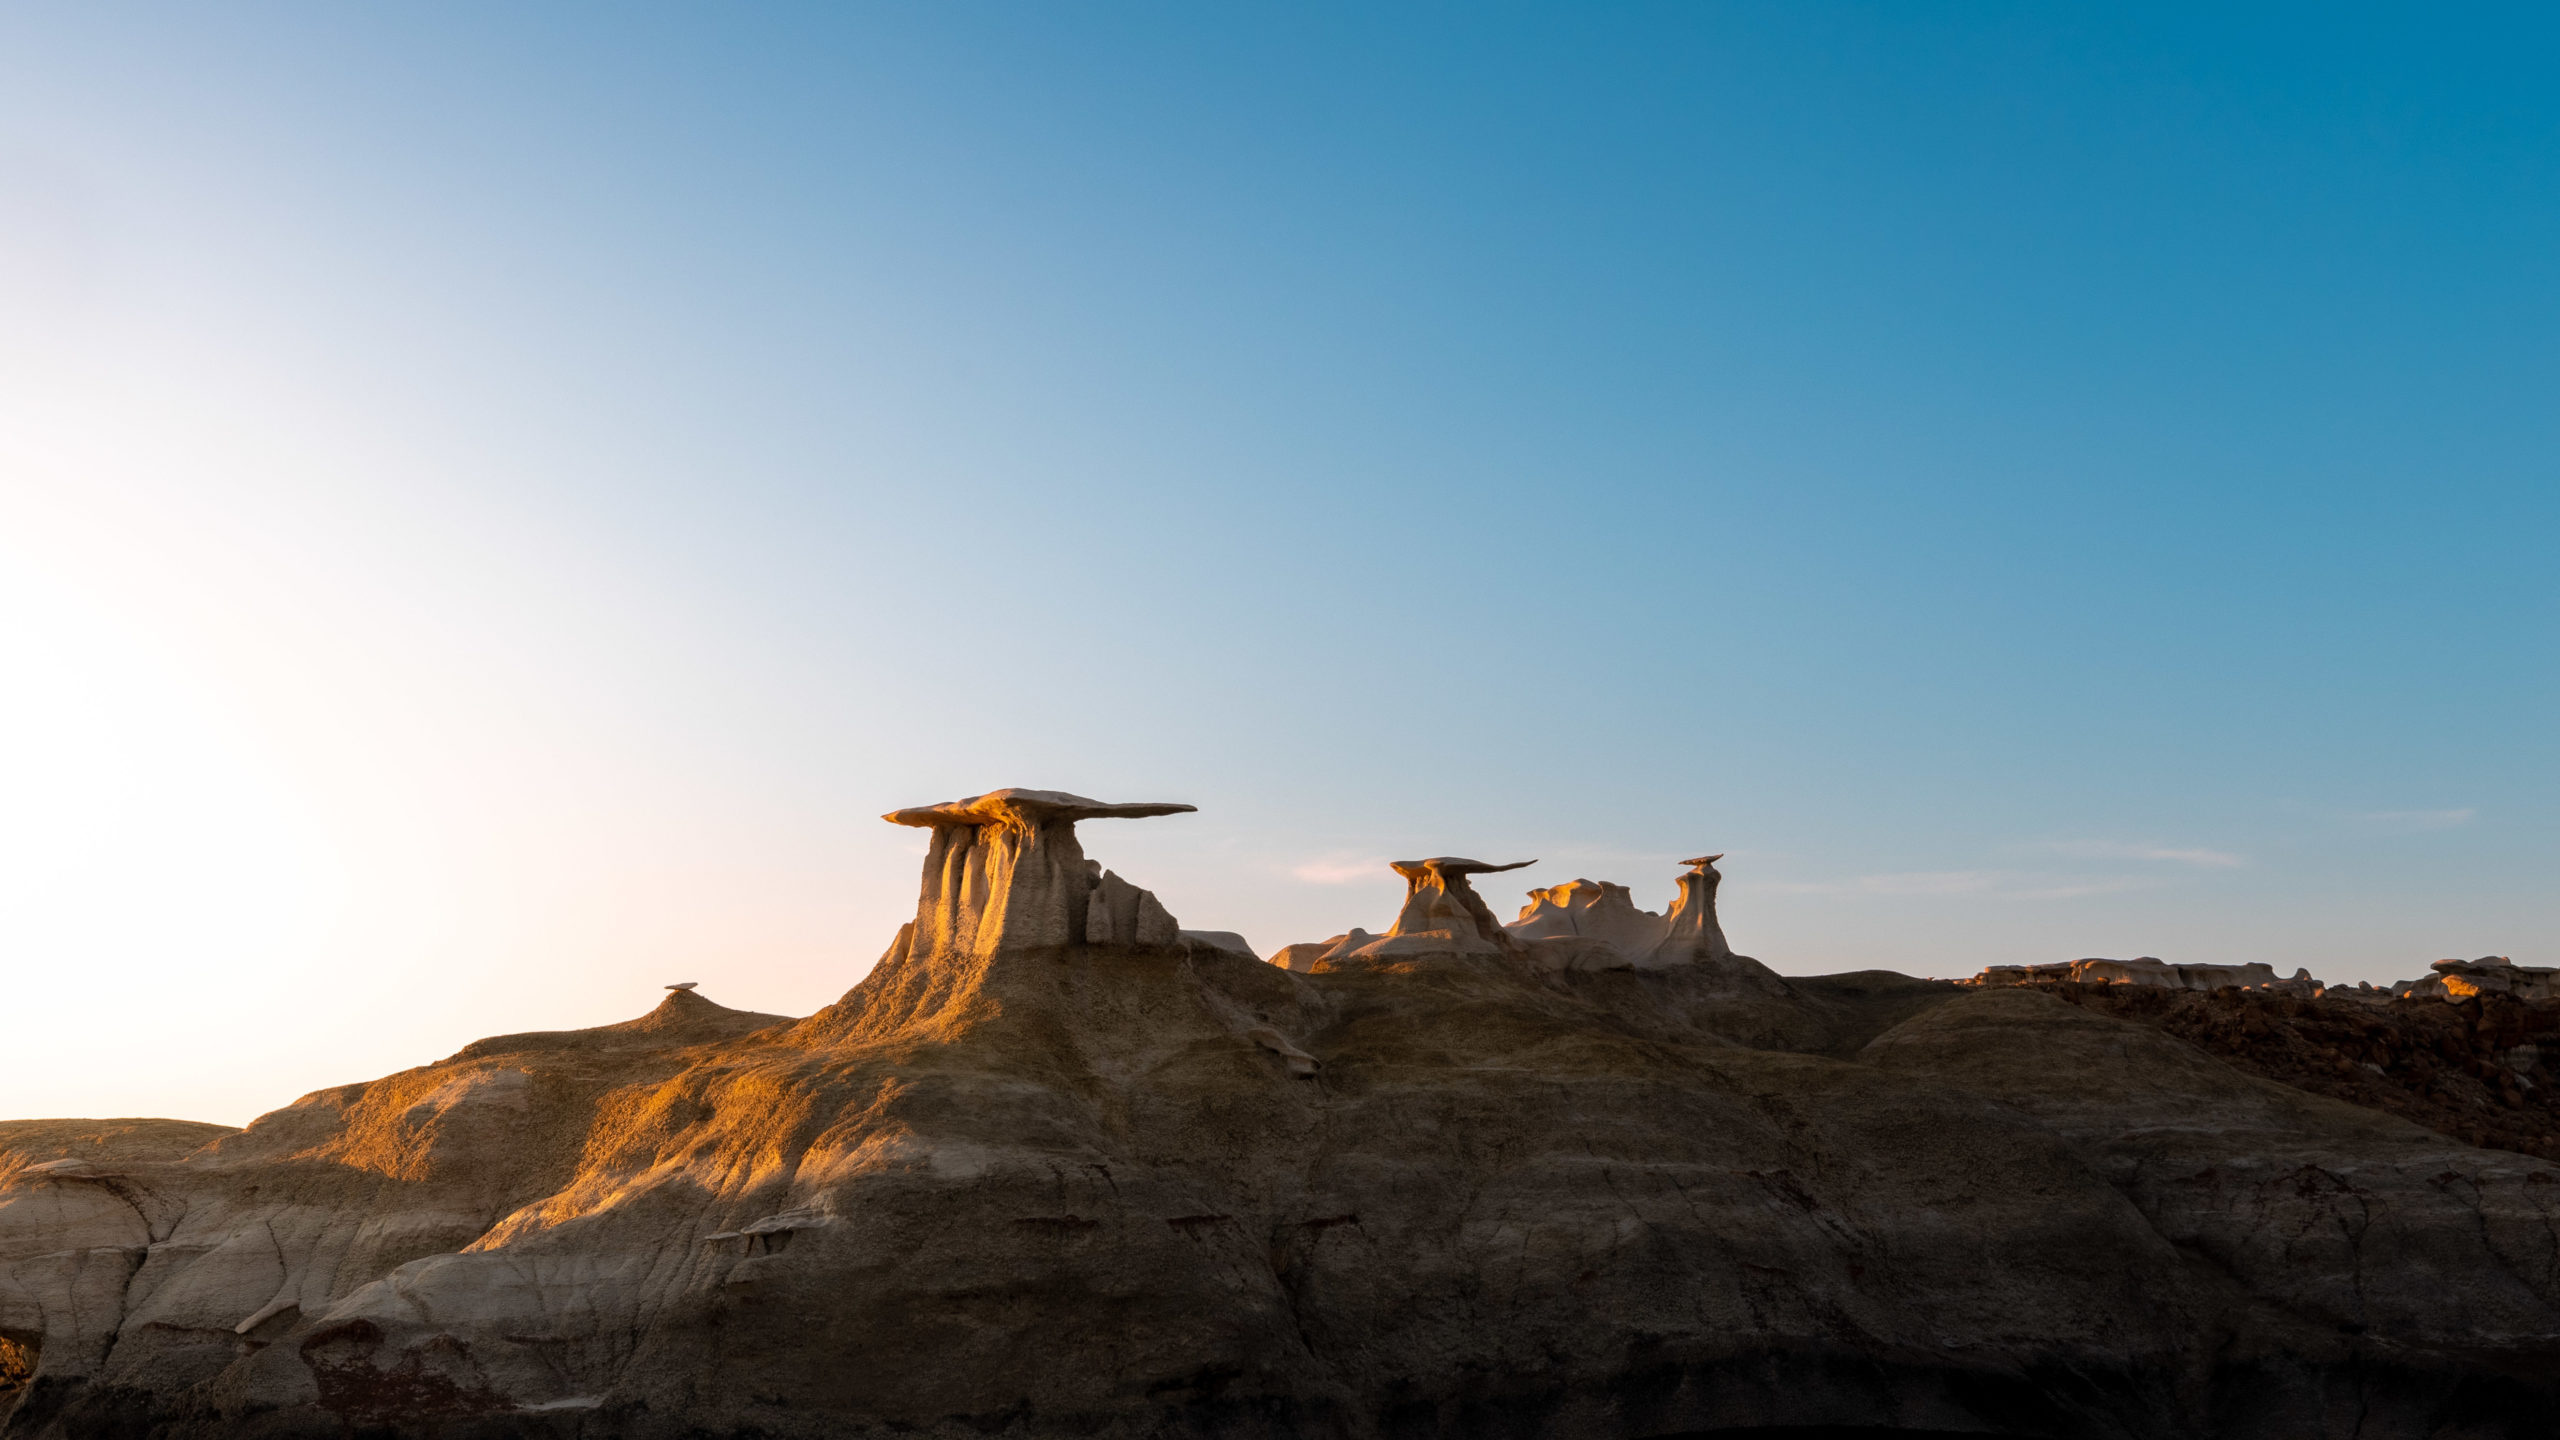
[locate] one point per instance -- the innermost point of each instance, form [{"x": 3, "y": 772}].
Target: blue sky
[{"x": 494, "y": 500}]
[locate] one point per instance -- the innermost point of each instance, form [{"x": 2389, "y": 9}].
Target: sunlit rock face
[
  {"x": 1595, "y": 925},
  {"x": 1004, "y": 872},
  {"x": 2488, "y": 975},
  {"x": 1579, "y": 925},
  {"x": 1056, "y": 1168},
  {"x": 1442, "y": 916},
  {"x": 1696, "y": 935},
  {"x": 2150, "y": 973},
  {"x": 1594, "y": 910}
]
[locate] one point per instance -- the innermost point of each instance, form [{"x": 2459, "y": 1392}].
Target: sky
[{"x": 496, "y": 500}]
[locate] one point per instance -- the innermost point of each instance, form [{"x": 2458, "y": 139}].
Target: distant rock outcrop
[
  {"x": 1595, "y": 925},
  {"x": 2488, "y": 975},
  {"x": 1580, "y": 925},
  {"x": 2153, "y": 973},
  {"x": 1056, "y": 1168},
  {"x": 1442, "y": 916}
]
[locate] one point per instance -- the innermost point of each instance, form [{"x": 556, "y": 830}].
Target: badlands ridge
[{"x": 1059, "y": 1167}]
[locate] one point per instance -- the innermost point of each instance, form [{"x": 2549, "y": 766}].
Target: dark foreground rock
[
  {"x": 2480, "y": 1068},
  {"x": 1017, "y": 1183}
]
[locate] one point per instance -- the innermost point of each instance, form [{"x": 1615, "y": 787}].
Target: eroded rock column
[
  {"x": 1443, "y": 910},
  {"x": 1005, "y": 872},
  {"x": 1695, "y": 935}
]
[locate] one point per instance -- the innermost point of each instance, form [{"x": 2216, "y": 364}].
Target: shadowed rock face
[
  {"x": 2479, "y": 1068},
  {"x": 1017, "y": 1185}
]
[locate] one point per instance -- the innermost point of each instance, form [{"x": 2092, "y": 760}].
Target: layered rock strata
[
  {"x": 2446, "y": 980},
  {"x": 1018, "y": 1182}
]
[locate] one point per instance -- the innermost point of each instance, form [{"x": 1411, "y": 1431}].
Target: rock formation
[
  {"x": 2151, "y": 972},
  {"x": 1227, "y": 940},
  {"x": 1004, "y": 872},
  {"x": 1593, "y": 910},
  {"x": 2488, "y": 975},
  {"x": 1579, "y": 925},
  {"x": 1695, "y": 933},
  {"x": 1442, "y": 916},
  {"x": 1058, "y": 1168},
  {"x": 1595, "y": 925},
  {"x": 1442, "y": 910}
]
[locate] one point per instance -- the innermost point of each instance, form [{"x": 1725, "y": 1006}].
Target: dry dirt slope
[{"x": 1077, "y": 1190}]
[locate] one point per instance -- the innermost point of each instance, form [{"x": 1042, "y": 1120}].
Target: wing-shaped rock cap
[
  {"x": 1005, "y": 872},
  {"x": 1442, "y": 910},
  {"x": 1001, "y": 807},
  {"x": 1444, "y": 866}
]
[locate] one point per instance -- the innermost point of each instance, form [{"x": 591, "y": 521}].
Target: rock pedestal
[
  {"x": 1696, "y": 935},
  {"x": 1004, "y": 872}
]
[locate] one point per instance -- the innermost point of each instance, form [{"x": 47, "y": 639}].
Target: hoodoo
[
  {"x": 1004, "y": 872},
  {"x": 1442, "y": 910},
  {"x": 1056, "y": 1168},
  {"x": 1442, "y": 915},
  {"x": 1695, "y": 932}
]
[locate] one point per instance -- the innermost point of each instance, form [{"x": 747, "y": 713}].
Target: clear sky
[{"x": 495, "y": 500}]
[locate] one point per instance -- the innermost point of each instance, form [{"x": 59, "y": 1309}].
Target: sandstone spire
[
  {"x": 1004, "y": 872},
  {"x": 1695, "y": 935}
]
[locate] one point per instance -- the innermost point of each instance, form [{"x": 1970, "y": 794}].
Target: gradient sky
[{"x": 496, "y": 500}]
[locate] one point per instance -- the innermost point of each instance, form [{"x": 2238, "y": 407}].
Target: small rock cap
[
  {"x": 684, "y": 984},
  {"x": 1450, "y": 865}
]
